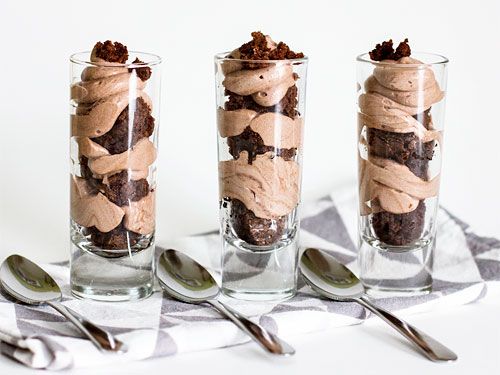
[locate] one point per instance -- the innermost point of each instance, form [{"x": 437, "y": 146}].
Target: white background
[{"x": 38, "y": 36}]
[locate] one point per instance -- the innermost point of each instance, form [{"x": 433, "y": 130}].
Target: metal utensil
[
  {"x": 186, "y": 280},
  {"x": 333, "y": 280},
  {"x": 28, "y": 283}
]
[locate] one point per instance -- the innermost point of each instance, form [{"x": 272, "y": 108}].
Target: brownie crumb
[
  {"x": 117, "y": 239},
  {"x": 399, "y": 229},
  {"x": 252, "y": 143},
  {"x": 403, "y": 50},
  {"x": 385, "y": 51},
  {"x": 111, "y": 52},
  {"x": 253, "y": 229},
  {"x": 119, "y": 139},
  {"x": 258, "y": 49},
  {"x": 121, "y": 189},
  {"x": 286, "y": 106},
  {"x": 143, "y": 73}
]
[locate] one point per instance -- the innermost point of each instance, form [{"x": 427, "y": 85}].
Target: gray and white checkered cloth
[{"x": 159, "y": 326}]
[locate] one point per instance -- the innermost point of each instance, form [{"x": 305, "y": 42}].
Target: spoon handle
[
  {"x": 430, "y": 347},
  {"x": 270, "y": 342},
  {"x": 102, "y": 339}
]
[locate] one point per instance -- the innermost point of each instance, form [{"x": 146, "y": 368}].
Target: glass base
[
  {"x": 263, "y": 296},
  {"x": 388, "y": 271},
  {"x": 259, "y": 273},
  {"x": 111, "y": 295},
  {"x": 109, "y": 275}
]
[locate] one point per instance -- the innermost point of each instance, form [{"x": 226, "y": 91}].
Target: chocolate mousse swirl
[
  {"x": 400, "y": 138},
  {"x": 112, "y": 199},
  {"x": 263, "y": 130}
]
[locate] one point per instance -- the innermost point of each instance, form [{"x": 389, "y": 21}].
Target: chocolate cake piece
[
  {"x": 403, "y": 148},
  {"x": 121, "y": 189},
  {"x": 255, "y": 230},
  {"x": 120, "y": 138},
  {"x": 252, "y": 142},
  {"x": 143, "y": 73},
  {"x": 111, "y": 52},
  {"x": 385, "y": 51},
  {"x": 258, "y": 49},
  {"x": 117, "y": 239},
  {"x": 95, "y": 184},
  {"x": 399, "y": 229}
]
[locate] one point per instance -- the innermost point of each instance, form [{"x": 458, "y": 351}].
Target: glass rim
[
  {"x": 223, "y": 56},
  {"x": 438, "y": 60},
  {"x": 154, "y": 60}
]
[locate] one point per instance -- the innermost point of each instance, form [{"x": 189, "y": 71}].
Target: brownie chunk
[
  {"x": 253, "y": 229},
  {"x": 252, "y": 142},
  {"x": 143, "y": 73},
  {"x": 385, "y": 51},
  {"x": 119, "y": 139},
  {"x": 424, "y": 117},
  {"x": 399, "y": 229},
  {"x": 117, "y": 239},
  {"x": 111, "y": 52},
  {"x": 286, "y": 106},
  {"x": 85, "y": 172},
  {"x": 403, "y": 148},
  {"x": 258, "y": 49},
  {"x": 121, "y": 189}
]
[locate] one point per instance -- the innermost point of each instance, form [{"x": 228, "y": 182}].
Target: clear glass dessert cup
[
  {"x": 400, "y": 139},
  {"x": 114, "y": 119},
  {"x": 260, "y": 122}
]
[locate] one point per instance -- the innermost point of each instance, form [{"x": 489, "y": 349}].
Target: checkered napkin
[{"x": 159, "y": 326}]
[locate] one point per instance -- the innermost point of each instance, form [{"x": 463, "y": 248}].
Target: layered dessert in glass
[
  {"x": 400, "y": 123},
  {"x": 260, "y": 90},
  {"x": 114, "y": 123}
]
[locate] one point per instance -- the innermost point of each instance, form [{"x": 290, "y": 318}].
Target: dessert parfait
[
  {"x": 260, "y": 118},
  {"x": 401, "y": 100},
  {"x": 114, "y": 122}
]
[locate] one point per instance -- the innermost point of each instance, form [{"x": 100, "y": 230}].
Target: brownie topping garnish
[
  {"x": 143, "y": 73},
  {"x": 111, "y": 52},
  {"x": 385, "y": 51},
  {"x": 258, "y": 49}
]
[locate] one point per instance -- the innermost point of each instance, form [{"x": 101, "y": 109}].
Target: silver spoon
[
  {"x": 332, "y": 280},
  {"x": 188, "y": 281},
  {"x": 26, "y": 282}
]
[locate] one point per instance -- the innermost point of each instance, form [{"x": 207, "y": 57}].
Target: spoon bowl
[
  {"x": 184, "y": 278},
  {"x": 27, "y": 282},
  {"x": 327, "y": 276}
]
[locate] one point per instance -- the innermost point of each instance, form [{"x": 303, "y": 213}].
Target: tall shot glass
[
  {"x": 260, "y": 121},
  {"x": 114, "y": 117},
  {"x": 400, "y": 138}
]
